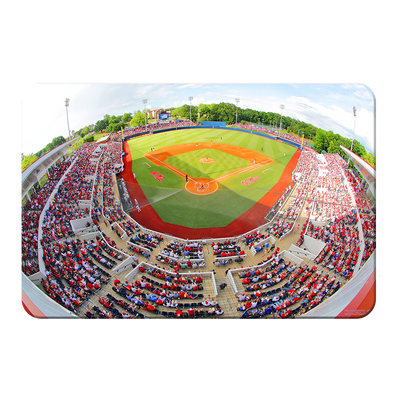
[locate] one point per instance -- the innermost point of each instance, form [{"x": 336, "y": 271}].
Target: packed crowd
[
  {"x": 76, "y": 271},
  {"x": 367, "y": 214},
  {"x": 30, "y": 217},
  {"x": 322, "y": 179},
  {"x": 283, "y": 290},
  {"x": 181, "y": 255},
  {"x": 87, "y": 261},
  {"x": 263, "y": 129},
  {"x": 157, "y": 292},
  {"x": 155, "y": 127},
  {"x": 329, "y": 200}
]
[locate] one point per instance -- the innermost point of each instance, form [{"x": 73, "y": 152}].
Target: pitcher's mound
[{"x": 206, "y": 160}]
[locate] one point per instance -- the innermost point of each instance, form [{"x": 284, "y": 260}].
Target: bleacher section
[{"x": 94, "y": 260}]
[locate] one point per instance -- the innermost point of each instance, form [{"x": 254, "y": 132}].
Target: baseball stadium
[{"x": 184, "y": 220}]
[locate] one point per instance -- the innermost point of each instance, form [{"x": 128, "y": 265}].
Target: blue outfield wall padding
[
  {"x": 213, "y": 123},
  {"x": 298, "y": 145}
]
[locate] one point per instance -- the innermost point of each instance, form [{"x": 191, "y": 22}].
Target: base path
[
  {"x": 208, "y": 186},
  {"x": 159, "y": 156},
  {"x": 249, "y": 220}
]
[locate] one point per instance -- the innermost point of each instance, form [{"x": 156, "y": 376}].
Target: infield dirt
[
  {"x": 254, "y": 159},
  {"x": 159, "y": 156},
  {"x": 249, "y": 220}
]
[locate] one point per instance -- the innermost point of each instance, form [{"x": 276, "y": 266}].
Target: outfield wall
[
  {"x": 212, "y": 124},
  {"x": 202, "y": 236},
  {"x": 297, "y": 145}
]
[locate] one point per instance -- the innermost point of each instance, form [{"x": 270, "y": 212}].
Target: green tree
[
  {"x": 334, "y": 147},
  {"x": 114, "y": 120},
  {"x": 204, "y": 111},
  {"x": 28, "y": 160},
  {"x": 88, "y": 139},
  {"x": 85, "y": 131},
  {"x": 184, "y": 111},
  {"x": 127, "y": 117},
  {"x": 100, "y": 125},
  {"x": 48, "y": 147},
  {"x": 58, "y": 140},
  {"x": 228, "y": 113},
  {"x": 115, "y": 127},
  {"x": 138, "y": 119},
  {"x": 321, "y": 142},
  {"x": 214, "y": 112},
  {"x": 358, "y": 148}
]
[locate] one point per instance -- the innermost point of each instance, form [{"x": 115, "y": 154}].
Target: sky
[{"x": 326, "y": 106}]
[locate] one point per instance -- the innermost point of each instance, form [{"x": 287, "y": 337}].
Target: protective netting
[{"x": 152, "y": 195}]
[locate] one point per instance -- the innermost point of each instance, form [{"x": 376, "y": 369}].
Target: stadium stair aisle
[{"x": 226, "y": 298}]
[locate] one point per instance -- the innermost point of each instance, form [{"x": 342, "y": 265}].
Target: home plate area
[
  {"x": 201, "y": 186},
  {"x": 204, "y": 186}
]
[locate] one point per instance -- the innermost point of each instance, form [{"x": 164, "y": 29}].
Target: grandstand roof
[
  {"x": 103, "y": 139},
  {"x": 353, "y": 297},
  {"x": 39, "y": 304},
  {"x": 365, "y": 169}
]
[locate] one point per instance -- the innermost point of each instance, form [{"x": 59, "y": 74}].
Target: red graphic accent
[{"x": 157, "y": 175}]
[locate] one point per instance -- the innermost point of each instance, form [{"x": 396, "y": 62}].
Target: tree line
[
  {"x": 27, "y": 160},
  {"x": 324, "y": 141}
]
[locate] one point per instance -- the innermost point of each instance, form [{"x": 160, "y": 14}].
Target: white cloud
[
  {"x": 333, "y": 118},
  {"x": 363, "y": 93},
  {"x": 193, "y": 86},
  {"x": 365, "y": 128},
  {"x": 198, "y": 100},
  {"x": 44, "y": 115},
  {"x": 195, "y": 102},
  {"x": 176, "y": 104}
]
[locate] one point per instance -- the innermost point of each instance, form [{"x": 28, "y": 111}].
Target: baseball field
[{"x": 206, "y": 182}]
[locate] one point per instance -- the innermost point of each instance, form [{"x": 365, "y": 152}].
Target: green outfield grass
[
  {"x": 189, "y": 163},
  {"x": 169, "y": 197}
]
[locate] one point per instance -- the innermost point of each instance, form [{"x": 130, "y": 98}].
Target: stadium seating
[{"x": 79, "y": 270}]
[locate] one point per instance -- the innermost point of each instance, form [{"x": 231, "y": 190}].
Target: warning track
[{"x": 249, "y": 220}]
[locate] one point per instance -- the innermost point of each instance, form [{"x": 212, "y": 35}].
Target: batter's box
[{"x": 201, "y": 185}]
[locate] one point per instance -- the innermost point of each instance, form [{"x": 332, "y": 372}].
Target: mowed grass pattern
[
  {"x": 223, "y": 163},
  {"x": 231, "y": 199}
]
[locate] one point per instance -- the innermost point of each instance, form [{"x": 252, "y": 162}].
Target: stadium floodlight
[
  {"x": 282, "y": 106},
  {"x": 237, "y": 102},
  {"x": 145, "y": 112},
  {"x": 66, "y": 108},
  {"x": 190, "y": 100},
  {"x": 354, "y": 130}
]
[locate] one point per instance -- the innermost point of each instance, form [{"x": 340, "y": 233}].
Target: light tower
[
  {"x": 237, "y": 102},
  {"x": 282, "y": 106},
  {"x": 66, "y": 108},
  {"x": 190, "y": 100},
  {"x": 354, "y": 130},
  {"x": 145, "y": 112}
]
